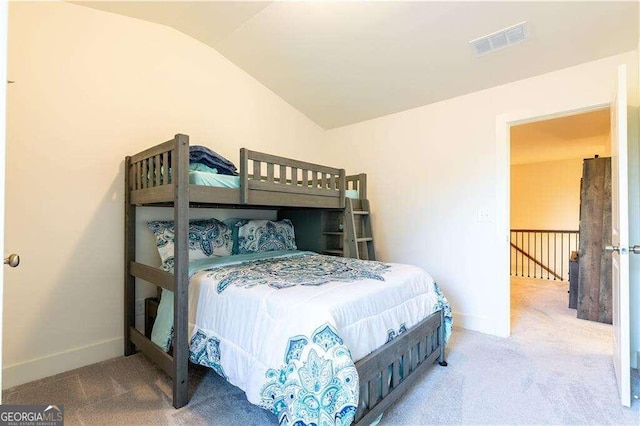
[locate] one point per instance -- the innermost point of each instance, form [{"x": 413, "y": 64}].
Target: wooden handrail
[
  {"x": 546, "y": 231},
  {"x": 536, "y": 261}
]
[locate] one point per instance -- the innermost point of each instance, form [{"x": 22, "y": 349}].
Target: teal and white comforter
[{"x": 287, "y": 327}]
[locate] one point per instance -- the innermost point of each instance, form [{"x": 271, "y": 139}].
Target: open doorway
[{"x": 549, "y": 159}]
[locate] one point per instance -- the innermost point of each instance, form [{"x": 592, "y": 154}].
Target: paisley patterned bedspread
[{"x": 287, "y": 328}]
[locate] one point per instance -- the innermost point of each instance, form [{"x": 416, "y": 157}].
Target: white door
[
  {"x": 620, "y": 238},
  {"x": 3, "y": 133}
]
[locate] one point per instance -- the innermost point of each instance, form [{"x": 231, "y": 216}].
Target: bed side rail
[
  {"x": 358, "y": 183},
  {"x": 266, "y": 172},
  {"x": 387, "y": 372},
  {"x": 149, "y": 174}
]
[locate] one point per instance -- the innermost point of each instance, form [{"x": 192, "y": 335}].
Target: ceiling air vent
[{"x": 500, "y": 39}]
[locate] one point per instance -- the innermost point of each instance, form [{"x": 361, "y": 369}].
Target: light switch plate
[{"x": 483, "y": 215}]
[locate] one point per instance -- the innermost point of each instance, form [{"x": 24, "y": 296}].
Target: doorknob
[
  {"x": 13, "y": 260},
  {"x": 634, "y": 249}
]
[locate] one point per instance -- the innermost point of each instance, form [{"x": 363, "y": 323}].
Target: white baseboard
[{"x": 39, "y": 368}]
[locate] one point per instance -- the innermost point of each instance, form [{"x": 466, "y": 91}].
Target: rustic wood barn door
[{"x": 594, "y": 299}]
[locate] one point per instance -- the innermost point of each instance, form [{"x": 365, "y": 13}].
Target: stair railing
[{"x": 542, "y": 253}]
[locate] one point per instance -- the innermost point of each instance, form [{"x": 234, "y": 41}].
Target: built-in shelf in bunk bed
[{"x": 159, "y": 176}]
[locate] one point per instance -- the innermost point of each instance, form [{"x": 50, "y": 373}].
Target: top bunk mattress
[{"x": 226, "y": 181}]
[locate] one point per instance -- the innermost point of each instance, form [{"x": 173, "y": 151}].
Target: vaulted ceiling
[{"x": 345, "y": 62}]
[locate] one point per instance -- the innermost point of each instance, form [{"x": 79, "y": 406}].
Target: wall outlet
[{"x": 140, "y": 307}]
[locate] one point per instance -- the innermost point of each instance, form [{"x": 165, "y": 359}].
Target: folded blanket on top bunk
[
  {"x": 287, "y": 327},
  {"x": 202, "y": 155}
]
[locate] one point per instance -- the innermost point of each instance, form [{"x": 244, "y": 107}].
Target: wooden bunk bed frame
[{"x": 384, "y": 374}]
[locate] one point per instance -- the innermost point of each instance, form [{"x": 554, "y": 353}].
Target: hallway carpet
[{"x": 554, "y": 369}]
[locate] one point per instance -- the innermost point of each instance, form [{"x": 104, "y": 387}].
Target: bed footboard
[
  {"x": 386, "y": 373},
  {"x": 148, "y": 179}
]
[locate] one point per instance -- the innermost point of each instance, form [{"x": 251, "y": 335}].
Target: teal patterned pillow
[
  {"x": 207, "y": 238},
  {"x": 265, "y": 235}
]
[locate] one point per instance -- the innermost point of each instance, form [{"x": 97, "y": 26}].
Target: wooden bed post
[
  {"x": 244, "y": 176},
  {"x": 129, "y": 256},
  {"x": 362, "y": 186},
  {"x": 343, "y": 187},
  {"x": 441, "y": 342},
  {"x": 180, "y": 167}
]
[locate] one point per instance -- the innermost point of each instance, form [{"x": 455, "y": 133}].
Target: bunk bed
[{"x": 159, "y": 176}]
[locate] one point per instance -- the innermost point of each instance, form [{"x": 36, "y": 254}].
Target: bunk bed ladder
[{"x": 358, "y": 245}]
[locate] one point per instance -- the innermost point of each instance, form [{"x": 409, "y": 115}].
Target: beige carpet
[{"x": 554, "y": 369}]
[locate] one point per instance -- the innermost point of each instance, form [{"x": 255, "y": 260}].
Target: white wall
[
  {"x": 431, "y": 169},
  {"x": 92, "y": 87},
  {"x": 546, "y": 195},
  {"x": 3, "y": 132}
]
